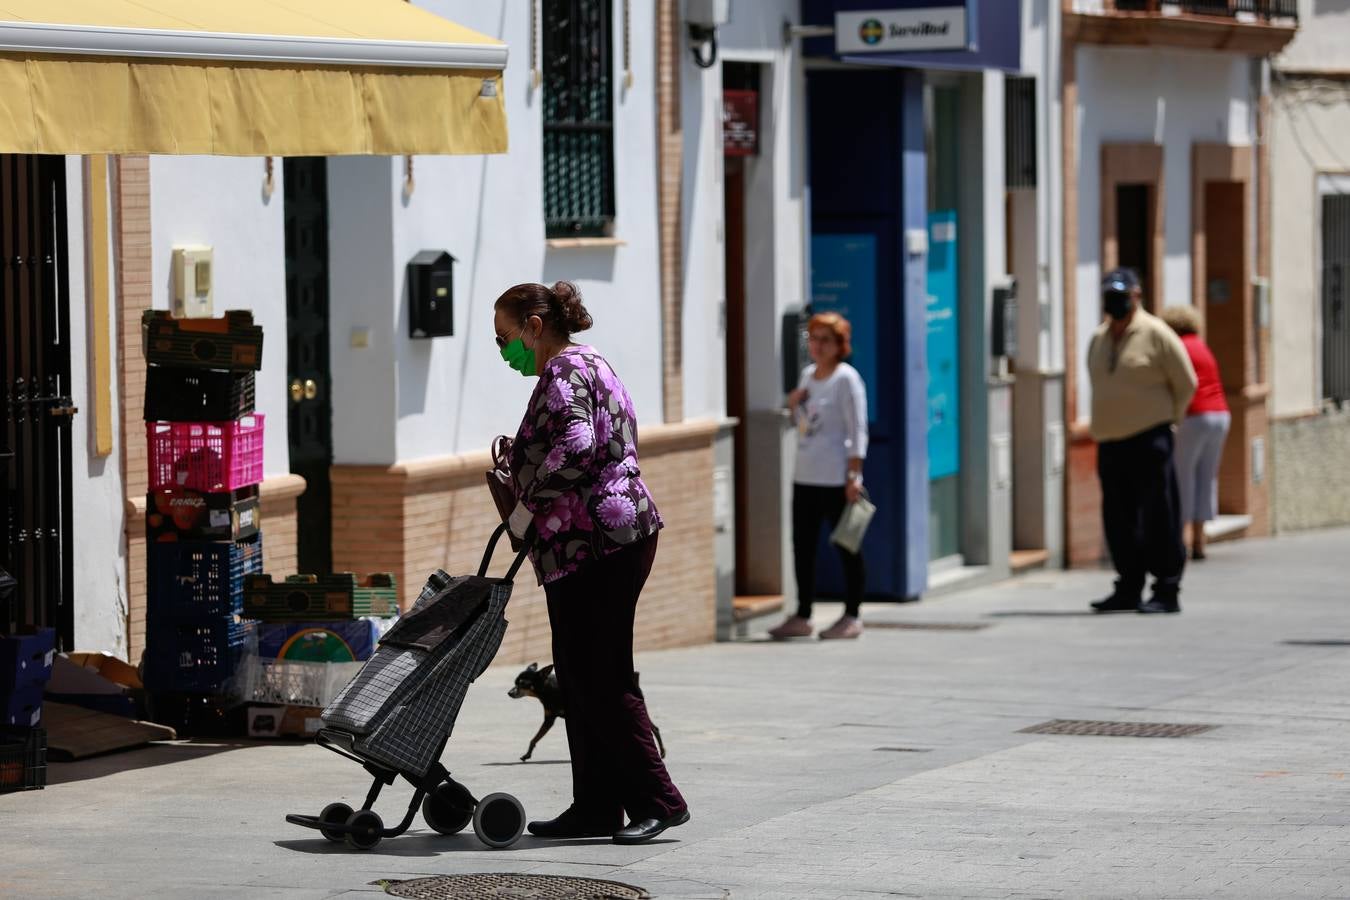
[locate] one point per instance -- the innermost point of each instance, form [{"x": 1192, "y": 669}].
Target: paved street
[{"x": 890, "y": 767}]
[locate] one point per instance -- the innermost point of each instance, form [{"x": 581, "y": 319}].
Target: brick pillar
[
  {"x": 670, "y": 163},
  {"x": 131, "y": 237}
]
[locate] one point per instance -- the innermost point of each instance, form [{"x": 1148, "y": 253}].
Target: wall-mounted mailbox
[{"x": 431, "y": 294}]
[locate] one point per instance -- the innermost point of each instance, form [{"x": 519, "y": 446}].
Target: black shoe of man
[
  {"x": 1157, "y": 605},
  {"x": 1116, "y": 603},
  {"x": 638, "y": 832}
]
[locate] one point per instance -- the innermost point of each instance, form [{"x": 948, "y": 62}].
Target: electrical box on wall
[
  {"x": 431, "y": 294},
  {"x": 192, "y": 282},
  {"x": 1003, "y": 328}
]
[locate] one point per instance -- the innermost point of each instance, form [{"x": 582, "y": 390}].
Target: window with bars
[
  {"x": 1019, "y": 122},
  {"x": 578, "y": 118},
  {"x": 1336, "y": 298}
]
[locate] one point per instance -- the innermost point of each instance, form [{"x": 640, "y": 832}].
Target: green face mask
[{"x": 520, "y": 357}]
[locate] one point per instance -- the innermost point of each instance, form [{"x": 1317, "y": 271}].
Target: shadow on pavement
[
  {"x": 1040, "y": 613},
  {"x": 532, "y": 762},
  {"x": 148, "y": 756},
  {"x": 428, "y": 845}
]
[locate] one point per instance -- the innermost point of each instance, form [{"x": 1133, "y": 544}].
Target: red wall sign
[{"x": 740, "y": 123}]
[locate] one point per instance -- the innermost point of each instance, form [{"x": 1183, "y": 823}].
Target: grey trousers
[{"x": 1199, "y": 448}]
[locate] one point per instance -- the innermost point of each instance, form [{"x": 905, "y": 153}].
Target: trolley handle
[{"x": 526, "y": 543}]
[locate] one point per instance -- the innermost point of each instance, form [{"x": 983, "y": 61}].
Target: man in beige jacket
[{"x": 1142, "y": 382}]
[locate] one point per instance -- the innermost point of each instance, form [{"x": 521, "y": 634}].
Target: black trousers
[
  {"x": 812, "y": 507},
  {"x": 616, "y": 766},
  {"x": 1141, "y": 508}
]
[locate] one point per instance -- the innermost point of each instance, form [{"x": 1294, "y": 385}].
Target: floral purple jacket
[{"x": 575, "y": 465}]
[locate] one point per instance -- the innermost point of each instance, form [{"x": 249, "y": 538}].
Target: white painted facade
[
  {"x": 400, "y": 399},
  {"x": 1310, "y": 134},
  {"x": 100, "y": 588},
  {"x": 1170, "y": 97}
]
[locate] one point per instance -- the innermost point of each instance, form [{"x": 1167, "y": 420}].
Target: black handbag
[{"x": 501, "y": 485}]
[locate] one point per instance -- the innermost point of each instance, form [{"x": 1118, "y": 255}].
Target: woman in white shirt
[{"x": 829, "y": 408}]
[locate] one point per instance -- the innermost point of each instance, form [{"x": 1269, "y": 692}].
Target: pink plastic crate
[{"x": 206, "y": 456}]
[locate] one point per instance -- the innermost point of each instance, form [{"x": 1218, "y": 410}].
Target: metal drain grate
[
  {"x": 515, "y": 887},
  {"x": 1117, "y": 729},
  {"x": 929, "y": 626},
  {"x": 1328, "y": 642}
]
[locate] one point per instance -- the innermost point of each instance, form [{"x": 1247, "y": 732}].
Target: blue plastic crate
[
  {"x": 196, "y": 656},
  {"x": 22, "y": 707},
  {"x": 194, "y": 580},
  {"x": 26, "y": 659}
]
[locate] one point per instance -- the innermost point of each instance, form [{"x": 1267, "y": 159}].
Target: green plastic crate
[{"x": 339, "y": 595}]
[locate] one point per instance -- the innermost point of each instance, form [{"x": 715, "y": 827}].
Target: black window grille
[
  {"x": 578, "y": 118},
  {"x": 1335, "y": 314},
  {"x": 1019, "y": 122}
]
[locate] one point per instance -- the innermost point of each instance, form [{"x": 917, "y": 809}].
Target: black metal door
[
  {"x": 35, "y": 405},
  {"x": 311, "y": 413},
  {"x": 1336, "y": 298}
]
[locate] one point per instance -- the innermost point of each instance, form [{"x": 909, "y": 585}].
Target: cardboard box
[
  {"x": 179, "y": 514},
  {"x": 284, "y": 721}
]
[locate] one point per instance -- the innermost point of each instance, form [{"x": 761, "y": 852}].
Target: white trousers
[{"x": 1199, "y": 448}]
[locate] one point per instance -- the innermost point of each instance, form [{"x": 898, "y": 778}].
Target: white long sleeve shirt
[{"x": 831, "y": 425}]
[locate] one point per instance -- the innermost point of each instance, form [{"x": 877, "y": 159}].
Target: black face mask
[{"x": 1117, "y": 304}]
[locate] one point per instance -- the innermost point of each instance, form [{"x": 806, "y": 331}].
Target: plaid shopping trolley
[{"x": 396, "y": 715}]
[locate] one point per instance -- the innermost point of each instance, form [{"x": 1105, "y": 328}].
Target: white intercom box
[{"x": 192, "y": 282}]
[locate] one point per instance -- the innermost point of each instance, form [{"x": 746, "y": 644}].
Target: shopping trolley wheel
[
  {"x": 445, "y": 809},
  {"x": 499, "y": 820},
  {"x": 334, "y": 814},
  {"x": 366, "y": 829}
]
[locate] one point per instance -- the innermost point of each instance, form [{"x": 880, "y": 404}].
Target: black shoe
[
  {"x": 571, "y": 824},
  {"x": 1116, "y": 603},
  {"x": 647, "y": 829},
  {"x": 1160, "y": 606}
]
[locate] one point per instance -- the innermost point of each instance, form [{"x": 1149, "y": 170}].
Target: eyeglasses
[{"x": 502, "y": 342}]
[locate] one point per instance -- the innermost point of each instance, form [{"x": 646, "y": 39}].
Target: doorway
[
  {"x": 35, "y": 406},
  {"x": 309, "y": 374},
  {"x": 1226, "y": 323}
]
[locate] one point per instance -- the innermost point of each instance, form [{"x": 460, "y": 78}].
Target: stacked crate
[
  {"x": 205, "y": 446},
  {"x": 314, "y": 632}
]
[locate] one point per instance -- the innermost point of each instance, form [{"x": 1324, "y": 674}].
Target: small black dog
[{"x": 542, "y": 684}]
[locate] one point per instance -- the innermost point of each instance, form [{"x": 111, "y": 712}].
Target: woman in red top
[{"x": 1201, "y": 434}]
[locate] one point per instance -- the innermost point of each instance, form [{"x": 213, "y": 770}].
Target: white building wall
[
  {"x": 99, "y": 587},
  {"x": 455, "y": 393},
  {"x": 1320, "y": 41},
  {"x": 704, "y": 235},
  {"x": 1171, "y": 97},
  {"x": 775, "y": 228},
  {"x": 1310, "y": 130},
  {"x": 1310, "y": 134},
  {"x": 220, "y": 202}
]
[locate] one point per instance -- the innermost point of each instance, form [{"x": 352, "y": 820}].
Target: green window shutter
[{"x": 578, "y": 118}]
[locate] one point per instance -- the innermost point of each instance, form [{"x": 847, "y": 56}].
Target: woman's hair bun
[{"x": 570, "y": 312}]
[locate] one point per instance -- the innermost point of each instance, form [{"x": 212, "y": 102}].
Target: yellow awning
[{"x": 245, "y": 78}]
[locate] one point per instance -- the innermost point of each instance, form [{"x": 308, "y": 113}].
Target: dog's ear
[
  {"x": 546, "y": 670},
  {"x": 532, "y": 667}
]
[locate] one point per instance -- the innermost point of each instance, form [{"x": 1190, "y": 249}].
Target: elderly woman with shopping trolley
[{"x": 575, "y": 472}]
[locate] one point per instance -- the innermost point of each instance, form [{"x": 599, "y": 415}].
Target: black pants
[
  {"x": 616, "y": 766},
  {"x": 1141, "y": 507},
  {"x": 812, "y": 507}
]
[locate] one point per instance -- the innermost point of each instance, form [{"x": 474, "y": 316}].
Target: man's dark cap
[{"x": 1120, "y": 281}]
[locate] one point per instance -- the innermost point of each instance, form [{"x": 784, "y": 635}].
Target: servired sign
[{"x": 898, "y": 30}]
